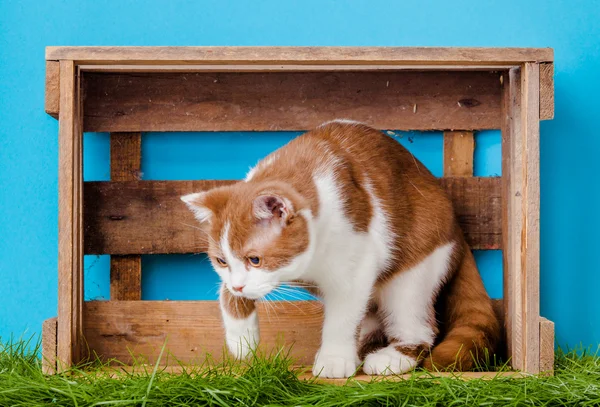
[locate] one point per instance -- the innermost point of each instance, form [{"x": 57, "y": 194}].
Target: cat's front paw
[
  {"x": 334, "y": 365},
  {"x": 388, "y": 361},
  {"x": 242, "y": 336}
]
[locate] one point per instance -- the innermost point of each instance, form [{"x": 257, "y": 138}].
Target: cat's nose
[{"x": 238, "y": 288}]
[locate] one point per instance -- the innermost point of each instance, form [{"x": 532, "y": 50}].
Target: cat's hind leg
[
  {"x": 371, "y": 336},
  {"x": 406, "y": 307}
]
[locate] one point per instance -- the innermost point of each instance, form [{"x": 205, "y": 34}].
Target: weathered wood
[
  {"x": 125, "y": 156},
  {"x": 142, "y": 217},
  {"x": 120, "y": 329},
  {"x": 125, "y": 277},
  {"x": 285, "y": 68},
  {"x": 520, "y": 152},
  {"x": 511, "y": 220},
  {"x": 125, "y": 165},
  {"x": 459, "y": 147},
  {"x": 546, "y": 346},
  {"x": 300, "y": 55},
  {"x": 119, "y": 370},
  {"x": 49, "y": 346},
  {"x": 477, "y": 204},
  {"x": 546, "y": 91},
  {"x": 69, "y": 220},
  {"x": 273, "y": 101},
  {"x": 147, "y": 217},
  {"x": 52, "y": 93},
  {"x": 530, "y": 212},
  {"x": 361, "y": 377}
]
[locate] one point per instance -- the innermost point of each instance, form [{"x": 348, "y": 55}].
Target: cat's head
[{"x": 259, "y": 234}]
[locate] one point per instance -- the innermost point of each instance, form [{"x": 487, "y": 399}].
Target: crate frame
[{"x": 526, "y": 96}]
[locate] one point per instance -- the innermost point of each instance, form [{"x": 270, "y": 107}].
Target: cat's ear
[
  {"x": 205, "y": 205},
  {"x": 196, "y": 203},
  {"x": 267, "y": 208}
]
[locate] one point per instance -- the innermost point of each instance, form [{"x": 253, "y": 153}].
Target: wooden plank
[
  {"x": 546, "y": 91},
  {"x": 147, "y": 217},
  {"x": 125, "y": 156},
  {"x": 546, "y": 346},
  {"x": 69, "y": 219},
  {"x": 300, "y": 55},
  {"x": 49, "y": 346},
  {"x": 129, "y": 329},
  {"x": 142, "y": 217},
  {"x": 498, "y": 306},
  {"x": 521, "y": 216},
  {"x": 125, "y": 277},
  {"x": 190, "y": 329},
  {"x": 459, "y": 147},
  {"x": 257, "y": 67},
  {"x": 477, "y": 204},
  {"x": 363, "y": 378},
  {"x": 52, "y": 93},
  {"x": 530, "y": 212},
  {"x": 125, "y": 165},
  {"x": 182, "y": 101},
  {"x": 303, "y": 372},
  {"x": 511, "y": 220}
]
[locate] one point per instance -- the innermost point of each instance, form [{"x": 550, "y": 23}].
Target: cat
[{"x": 347, "y": 210}]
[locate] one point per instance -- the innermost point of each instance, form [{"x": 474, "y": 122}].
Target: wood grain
[
  {"x": 147, "y": 217},
  {"x": 119, "y": 371},
  {"x": 49, "y": 346},
  {"x": 125, "y": 165},
  {"x": 125, "y": 156},
  {"x": 300, "y": 55},
  {"x": 190, "y": 329},
  {"x": 530, "y": 211},
  {"x": 276, "y": 101},
  {"x": 459, "y": 147},
  {"x": 364, "y": 378},
  {"x": 52, "y": 92},
  {"x": 142, "y": 217},
  {"x": 546, "y": 91},
  {"x": 477, "y": 204},
  {"x": 520, "y": 193},
  {"x": 511, "y": 217},
  {"x": 70, "y": 284},
  {"x": 546, "y": 347}
]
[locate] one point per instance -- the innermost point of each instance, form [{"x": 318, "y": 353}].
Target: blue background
[{"x": 28, "y": 137}]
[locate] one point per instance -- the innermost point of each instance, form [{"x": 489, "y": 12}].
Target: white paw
[
  {"x": 242, "y": 336},
  {"x": 242, "y": 346},
  {"x": 333, "y": 365},
  {"x": 388, "y": 361}
]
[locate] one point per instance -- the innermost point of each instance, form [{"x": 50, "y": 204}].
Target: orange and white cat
[{"x": 348, "y": 210}]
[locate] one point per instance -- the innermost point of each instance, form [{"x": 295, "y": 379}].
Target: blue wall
[{"x": 28, "y": 137}]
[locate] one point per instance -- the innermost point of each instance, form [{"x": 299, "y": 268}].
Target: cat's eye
[
  {"x": 254, "y": 261},
  {"x": 221, "y": 262}
]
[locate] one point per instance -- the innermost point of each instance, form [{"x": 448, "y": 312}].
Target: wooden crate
[{"x": 130, "y": 90}]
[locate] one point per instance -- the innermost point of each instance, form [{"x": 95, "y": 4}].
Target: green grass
[{"x": 270, "y": 382}]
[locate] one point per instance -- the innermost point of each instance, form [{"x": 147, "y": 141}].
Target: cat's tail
[{"x": 470, "y": 324}]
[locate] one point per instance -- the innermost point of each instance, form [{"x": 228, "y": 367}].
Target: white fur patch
[
  {"x": 407, "y": 299},
  {"x": 345, "y": 266},
  {"x": 242, "y": 335},
  {"x": 201, "y": 213},
  {"x": 369, "y": 324},
  {"x": 388, "y": 361},
  {"x": 264, "y": 163}
]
